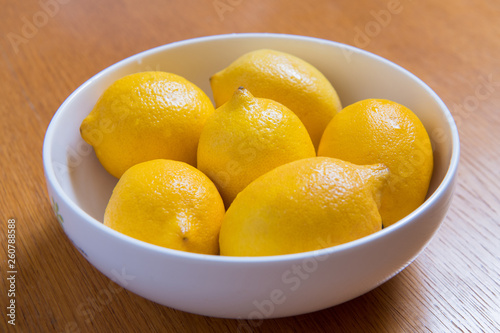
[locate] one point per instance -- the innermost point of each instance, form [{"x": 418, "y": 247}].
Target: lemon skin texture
[
  {"x": 245, "y": 138},
  {"x": 382, "y": 131},
  {"x": 304, "y": 206},
  {"x": 145, "y": 116},
  {"x": 286, "y": 79},
  {"x": 167, "y": 203}
]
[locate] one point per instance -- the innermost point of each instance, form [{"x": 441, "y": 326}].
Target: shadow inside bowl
[{"x": 87, "y": 176}]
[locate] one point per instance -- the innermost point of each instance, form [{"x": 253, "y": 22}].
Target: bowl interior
[{"x": 354, "y": 73}]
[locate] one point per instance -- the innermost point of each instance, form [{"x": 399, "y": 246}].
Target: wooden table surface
[{"x": 50, "y": 47}]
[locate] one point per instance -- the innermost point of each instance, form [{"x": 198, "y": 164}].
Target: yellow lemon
[
  {"x": 146, "y": 116},
  {"x": 303, "y": 206},
  {"x": 245, "y": 138},
  {"x": 167, "y": 203},
  {"x": 286, "y": 79},
  {"x": 381, "y": 131}
]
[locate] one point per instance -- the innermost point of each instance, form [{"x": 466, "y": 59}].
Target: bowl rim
[{"x": 52, "y": 181}]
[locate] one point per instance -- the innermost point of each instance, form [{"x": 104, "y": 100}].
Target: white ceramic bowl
[{"x": 260, "y": 287}]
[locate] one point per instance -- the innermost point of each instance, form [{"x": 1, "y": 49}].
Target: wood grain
[{"x": 454, "y": 46}]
